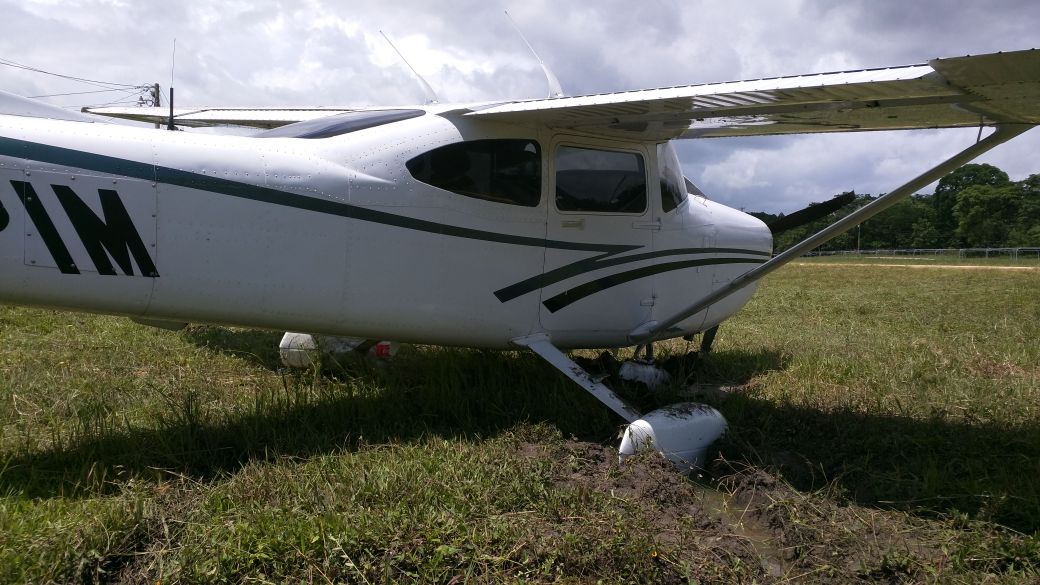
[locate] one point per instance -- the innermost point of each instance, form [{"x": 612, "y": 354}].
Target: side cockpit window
[
  {"x": 603, "y": 181},
  {"x": 673, "y": 184},
  {"x": 499, "y": 170}
]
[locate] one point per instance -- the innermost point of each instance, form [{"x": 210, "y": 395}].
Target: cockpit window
[
  {"x": 329, "y": 126},
  {"x": 500, "y": 170},
  {"x": 673, "y": 183},
  {"x": 603, "y": 181}
]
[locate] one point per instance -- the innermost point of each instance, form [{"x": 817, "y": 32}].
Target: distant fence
[{"x": 1011, "y": 253}]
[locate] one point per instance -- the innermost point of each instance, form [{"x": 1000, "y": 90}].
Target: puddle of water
[{"x": 721, "y": 506}]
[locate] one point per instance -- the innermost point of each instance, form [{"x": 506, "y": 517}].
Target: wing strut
[{"x": 656, "y": 330}]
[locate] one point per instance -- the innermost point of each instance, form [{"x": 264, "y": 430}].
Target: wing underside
[{"x": 943, "y": 93}]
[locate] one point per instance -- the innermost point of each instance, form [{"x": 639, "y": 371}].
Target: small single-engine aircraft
[{"x": 546, "y": 224}]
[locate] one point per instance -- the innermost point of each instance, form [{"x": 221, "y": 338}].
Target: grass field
[
  {"x": 1024, "y": 260},
  {"x": 885, "y": 427}
]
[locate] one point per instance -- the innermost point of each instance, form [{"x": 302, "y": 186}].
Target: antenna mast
[
  {"x": 555, "y": 90},
  {"x": 173, "y": 66},
  {"x": 431, "y": 96}
]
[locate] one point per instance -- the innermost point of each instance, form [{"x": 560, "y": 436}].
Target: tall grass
[{"x": 906, "y": 395}]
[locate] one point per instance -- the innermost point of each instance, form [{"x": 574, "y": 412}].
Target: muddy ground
[{"x": 734, "y": 523}]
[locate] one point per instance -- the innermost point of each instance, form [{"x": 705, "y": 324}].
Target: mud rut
[{"x": 743, "y": 523}]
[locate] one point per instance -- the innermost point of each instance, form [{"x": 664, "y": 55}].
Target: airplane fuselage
[{"x": 370, "y": 233}]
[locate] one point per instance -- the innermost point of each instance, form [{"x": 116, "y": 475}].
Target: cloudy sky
[{"x": 315, "y": 52}]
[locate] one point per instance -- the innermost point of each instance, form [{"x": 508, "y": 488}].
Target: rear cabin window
[
  {"x": 501, "y": 170},
  {"x": 339, "y": 124},
  {"x": 603, "y": 181}
]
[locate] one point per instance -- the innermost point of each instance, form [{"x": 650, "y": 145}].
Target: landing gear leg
[
  {"x": 681, "y": 432},
  {"x": 707, "y": 339},
  {"x": 644, "y": 370},
  {"x": 648, "y": 352},
  {"x": 541, "y": 345}
]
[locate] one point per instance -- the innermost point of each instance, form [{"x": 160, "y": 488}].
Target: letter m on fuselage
[{"x": 111, "y": 238}]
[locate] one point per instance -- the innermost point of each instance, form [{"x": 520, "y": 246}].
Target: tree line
[{"x": 976, "y": 206}]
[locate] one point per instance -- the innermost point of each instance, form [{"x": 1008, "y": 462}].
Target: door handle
[{"x": 647, "y": 225}]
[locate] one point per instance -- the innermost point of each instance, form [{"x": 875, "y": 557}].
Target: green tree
[
  {"x": 925, "y": 234},
  {"x": 1026, "y": 231},
  {"x": 945, "y": 198},
  {"x": 986, "y": 215},
  {"x": 846, "y": 241},
  {"x": 895, "y": 227},
  {"x": 987, "y": 210}
]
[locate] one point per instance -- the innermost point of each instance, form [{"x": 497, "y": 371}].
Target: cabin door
[{"x": 598, "y": 273}]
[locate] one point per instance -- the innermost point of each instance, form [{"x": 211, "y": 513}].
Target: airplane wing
[
  {"x": 943, "y": 93},
  {"x": 16, "y": 105},
  {"x": 201, "y": 117}
]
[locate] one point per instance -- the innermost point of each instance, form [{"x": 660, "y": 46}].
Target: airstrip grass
[
  {"x": 979, "y": 258},
  {"x": 885, "y": 427}
]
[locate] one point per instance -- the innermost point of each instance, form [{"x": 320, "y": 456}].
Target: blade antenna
[
  {"x": 555, "y": 91},
  {"x": 431, "y": 96}
]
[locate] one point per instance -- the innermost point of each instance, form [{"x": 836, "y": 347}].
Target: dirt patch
[
  {"x": 658, "y": 506},
  {"x": 156, "y": 537},
  {"x": 996, "y": 370},
  {"x": 746, "y": 525},
  {"x": 667, "y": 507},
  {"x": 824, "y": 540},
  {"x": 643, "y": 479}
]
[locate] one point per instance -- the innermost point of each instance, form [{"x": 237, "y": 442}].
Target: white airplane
[{"x": 546, "y": 224}]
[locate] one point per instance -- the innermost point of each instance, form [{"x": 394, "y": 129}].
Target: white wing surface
[
  {"x": 943, "y": 93},
  {"x": 16, "y": 105}
]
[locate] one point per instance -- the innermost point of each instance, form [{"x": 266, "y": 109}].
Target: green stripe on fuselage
[
  {"x": 607, "y": 257},
  {"x": 148, "y": 172}
]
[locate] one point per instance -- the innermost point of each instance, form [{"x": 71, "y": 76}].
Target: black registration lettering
[
  {"x": 45, "y": 227},
  {"x": 114, "y": 236},
  {"x": 116, "y": 233},
  {"x": 4, "y": 217}
]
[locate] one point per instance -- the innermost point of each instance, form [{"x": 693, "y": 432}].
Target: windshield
[{"x": 673, "y": 187}]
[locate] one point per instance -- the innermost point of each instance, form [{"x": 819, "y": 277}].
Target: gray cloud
[{"x": 317, "y": 52}]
